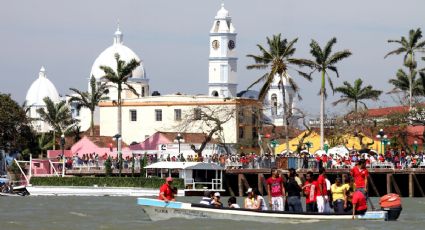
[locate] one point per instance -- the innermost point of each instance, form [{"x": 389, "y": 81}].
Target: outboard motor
[{"x": 392, "y": 204}]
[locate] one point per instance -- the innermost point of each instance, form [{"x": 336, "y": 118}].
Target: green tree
[
  {"x": 119, "y": 77},
  {"x": 409, "y": 47},
  {"x": 58, "y": 116},
  {"x": 324, "y": 61},
  {"x": 276, "y": 58},
  {"x": 90, "y": 99},
  {"x": 401, "y": 83},
  {"x": 15, "y": 130},
  {"x": 356, "y": 93}
]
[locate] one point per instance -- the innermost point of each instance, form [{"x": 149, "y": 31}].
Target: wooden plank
[
  {"x": 421, "y": 191},
  {"x": 389, "y": 176},
  {"x": 260, "y": 183},
  {"x": 240, "y": 184},
  {"x": 372, "y": 184},
  {"x": 397, "y": 189},
  {"x": 229, "y": 188}
]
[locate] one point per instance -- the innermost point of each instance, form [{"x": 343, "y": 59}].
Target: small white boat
[{"x": 160, "y": 210}]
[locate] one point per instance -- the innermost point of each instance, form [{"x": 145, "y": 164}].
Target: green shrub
[{"x": 153, "y": 182}]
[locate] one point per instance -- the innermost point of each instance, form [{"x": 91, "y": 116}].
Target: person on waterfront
[
  {"x": 309, "y": 189},
  {"x": 321, "y": 191},
  {"x": 293, "y": 190},
  {"x": 360, "y": 175},
  {"x": 232, "y": 202},
  {"x": 339, "y": 198},
  {"x": 359, "y": 203},
  {"x": 166, "y": 192},
  {"x": 276, "y": 191},
  {"x": 249, "y": 202},
  {"x": 207, "y": 198},
  {"x": 259, "y": 202},
  {"x": 216, "y": 200}
]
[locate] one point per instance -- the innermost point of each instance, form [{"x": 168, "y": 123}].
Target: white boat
[{"x": 160, "y": 210}]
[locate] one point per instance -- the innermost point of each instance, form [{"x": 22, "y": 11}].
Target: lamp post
[
  {"x": 179, "y": 139},
  {"x": 415, "y": 146},
  {"x": 383, "y": 138},
  {"x": 63, "y": 154},
  {"x": 118, "y": 141}
]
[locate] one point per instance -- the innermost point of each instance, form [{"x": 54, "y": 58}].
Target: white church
[{"x": 146, "y": 113}]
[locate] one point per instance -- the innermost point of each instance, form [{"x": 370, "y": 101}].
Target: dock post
[
  {"x": 240, "y": 184},
  {"x": 260, "y": 183},
  {"x": 421, "y": 191},
  {"x": 372, "y": 184},
  {"x": 389, "y": 183},
  {"x": 411, "y": 187},
  {"x": 397, "y": 189}
]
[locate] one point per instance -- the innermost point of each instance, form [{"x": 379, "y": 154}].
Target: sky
[{"x": 172, "y": 39}]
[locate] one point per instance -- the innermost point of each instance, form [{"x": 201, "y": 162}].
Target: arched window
[
  {"x": 274, "y": 104},
  {"x": 214, "y": 93}
]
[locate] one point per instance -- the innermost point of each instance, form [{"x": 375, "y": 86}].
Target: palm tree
[
  {"x": 356, "y": 94},
  {"x": 57, "y": 115},
  {"x": 277, "y": 57},
  {"x": 325, "y": 61},
  {"x": 43, "y": 144},
  {"x": 409, "y": 46},
  {"x": 401, "y": 83},
  {"x": 90, "y": 99},
  {"x": 119, "y": 77}
]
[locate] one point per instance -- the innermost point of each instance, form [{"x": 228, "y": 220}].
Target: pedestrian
[
  {"x": 360, "y": 175},
  {"x": 321, "y": 191},
  {"x": 276, "y": 191},
  {"x": 339, "y": 198},
  {"x": 293, "y": 190},
  {"x": 309, "y": 189}
]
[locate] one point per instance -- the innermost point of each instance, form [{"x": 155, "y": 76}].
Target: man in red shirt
[
  {"x": 360, "y": 175},
  {"x": 359, "y": 203},
  {"x": 309, "y": 189},
  {"x": 276, "y": 191},
  {"x": 322, "y": 193},
  {"x": 166, "y": 192}
]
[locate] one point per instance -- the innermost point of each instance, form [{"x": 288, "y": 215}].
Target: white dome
[
  {"x": 41, "y": 88},
  {"x": 107, "y": 58},
  {"x": 222, "y": 13}
]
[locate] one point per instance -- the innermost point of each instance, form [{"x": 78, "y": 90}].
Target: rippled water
[{"x": 123, "y": 213}]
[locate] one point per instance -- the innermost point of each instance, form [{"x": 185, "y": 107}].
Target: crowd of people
[{"x": 347, "y": 194}]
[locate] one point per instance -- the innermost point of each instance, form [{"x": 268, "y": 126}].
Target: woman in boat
[
  {"x": 339, "y": 197},
  {"x": 249, "y": 202},
  {"x": 259, "y": 203}
]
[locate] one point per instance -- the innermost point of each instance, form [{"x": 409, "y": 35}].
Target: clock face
[
  {"x": 215, "y": 44},
  {"x": 231, "y": 44}
]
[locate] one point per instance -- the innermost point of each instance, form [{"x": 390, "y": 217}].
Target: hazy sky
[{"x": 171, "y": 37}]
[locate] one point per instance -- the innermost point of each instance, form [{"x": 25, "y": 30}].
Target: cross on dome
[
  {"x": 222, "y": 13},
  {"x": 42, "y": 72}
]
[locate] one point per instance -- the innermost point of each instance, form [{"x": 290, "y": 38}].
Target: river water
[{"x": 122, "y": 213}]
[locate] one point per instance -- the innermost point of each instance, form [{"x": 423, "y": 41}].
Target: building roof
[
  {"x": 380, "y": 112},
  {"x": 107, "y": 58},
  {"x": 184, "y": 165},
  {"x": 41, "y": 88}
]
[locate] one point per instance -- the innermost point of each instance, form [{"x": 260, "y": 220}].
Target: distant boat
[{"x": 160, "y": 210}]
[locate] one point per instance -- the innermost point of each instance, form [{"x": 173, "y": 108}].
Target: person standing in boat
[
  {"x": 276, "y": 191},
  {"x": 167, "y": 192},
  {"x": 360, "y": 175},
  {"x": 293, "y": 190},
  {"x": 321, "y": 191},
  {"x": 310, "y": 192}
]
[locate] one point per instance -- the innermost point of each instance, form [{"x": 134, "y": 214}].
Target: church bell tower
[{"x": 222, "y": 60}]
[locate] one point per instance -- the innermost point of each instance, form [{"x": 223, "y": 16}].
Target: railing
[{"x": 215, "y": 184}]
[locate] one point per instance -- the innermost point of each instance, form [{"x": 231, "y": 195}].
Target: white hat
[
  {"x": 217, "y": 194},
  {"x": 249, "y": 190}
]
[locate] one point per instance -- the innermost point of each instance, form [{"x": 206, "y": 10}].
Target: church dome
[
  {"x": 107, "y": 58},
  {"x": 222, "y": 13},
  {"x": 41, "y": 88}
]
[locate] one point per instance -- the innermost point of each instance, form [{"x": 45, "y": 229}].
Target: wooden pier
[{"x": 405, "y": 182}]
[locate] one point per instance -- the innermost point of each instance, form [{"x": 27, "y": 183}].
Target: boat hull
[{"x": 159, "y": 210}]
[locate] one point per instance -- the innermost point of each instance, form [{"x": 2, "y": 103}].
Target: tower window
[
  {"x": 241, "y": 132},
  {"x": 177, "y": 114},
  {"x": 143, "y": 91},
  {"x": 133, "y": 115},
  {"x": 214, "y": 94},
  {"x": 158, "y": 114}
]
